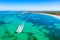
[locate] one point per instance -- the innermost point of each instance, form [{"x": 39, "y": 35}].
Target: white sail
[{"x": 20, "y": 28}]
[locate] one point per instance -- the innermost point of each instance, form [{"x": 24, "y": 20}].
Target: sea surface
[{"x": 36, "y": 26}]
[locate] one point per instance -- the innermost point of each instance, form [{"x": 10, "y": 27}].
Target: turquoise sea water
[{"x": 36, "y": 26}]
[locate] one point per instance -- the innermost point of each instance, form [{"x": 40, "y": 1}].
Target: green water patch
[
  {"x": 29, "y": 32},
  {"x": 35, "y": 28}
]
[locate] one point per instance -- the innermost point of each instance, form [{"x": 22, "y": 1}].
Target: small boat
[{"x": 20, "y": 28}]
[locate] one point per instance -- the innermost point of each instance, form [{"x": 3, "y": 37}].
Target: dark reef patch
[{"x": 2, "y": 23}]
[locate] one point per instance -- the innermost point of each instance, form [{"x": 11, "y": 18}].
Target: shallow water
[{"x": 36, "y": 26}]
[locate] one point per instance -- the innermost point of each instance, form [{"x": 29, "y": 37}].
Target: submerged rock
[{"x": 2, "y": 23}]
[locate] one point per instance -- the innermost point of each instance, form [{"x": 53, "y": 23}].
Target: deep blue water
[{"x": 36, "y": 24}]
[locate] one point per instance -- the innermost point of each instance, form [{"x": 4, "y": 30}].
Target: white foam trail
[{"x": 51, "y": 15}]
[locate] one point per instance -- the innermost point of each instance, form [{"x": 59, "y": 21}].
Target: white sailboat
[{"x": 20, "y": 28}]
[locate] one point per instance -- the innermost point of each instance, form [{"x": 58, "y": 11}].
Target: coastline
[{"x": 57, "y": 16}]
